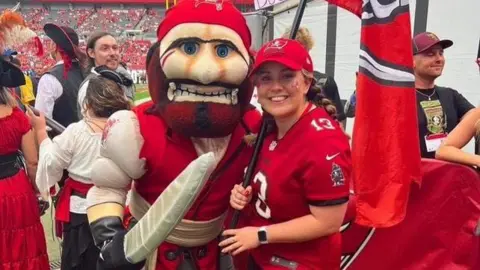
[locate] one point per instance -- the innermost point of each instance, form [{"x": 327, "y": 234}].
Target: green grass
[
  {"x": 53, "y": 243},
  {"x": 142, "y": 92},
  {"x": 141, "y": 95}
]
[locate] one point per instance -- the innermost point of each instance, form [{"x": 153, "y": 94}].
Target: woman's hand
[
  {"x": 240, "y": 197},
  {"x": 240, "y": 240},
  {"x": 37, "y": 122}
]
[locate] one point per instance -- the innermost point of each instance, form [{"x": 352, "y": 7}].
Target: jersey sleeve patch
[{"x": 326, "y": 179}]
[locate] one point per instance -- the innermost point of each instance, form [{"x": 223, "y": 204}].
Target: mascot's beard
[
  {"x": 196, "y": 119},
  {"x": 202, "y": 119}
]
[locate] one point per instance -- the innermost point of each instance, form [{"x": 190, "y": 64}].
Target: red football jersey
[{"x": 310, "y": 165}]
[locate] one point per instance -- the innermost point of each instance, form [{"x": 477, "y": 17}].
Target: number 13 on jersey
[
  {"x": 322, "y": 124},
  {"x": 260, "y": 205}
]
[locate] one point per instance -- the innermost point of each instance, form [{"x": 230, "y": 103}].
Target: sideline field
[{"x": 53, "y": 244}]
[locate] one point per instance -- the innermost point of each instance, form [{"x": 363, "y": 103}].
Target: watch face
[{"x": 262, "y": 236}]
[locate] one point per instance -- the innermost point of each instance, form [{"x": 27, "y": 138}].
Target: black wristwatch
[{"x": 262, "y": 235}]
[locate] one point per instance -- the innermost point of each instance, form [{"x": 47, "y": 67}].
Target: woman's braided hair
[
  {"x": 315, "y": 93},
  {"x": 316, "y": 96}
]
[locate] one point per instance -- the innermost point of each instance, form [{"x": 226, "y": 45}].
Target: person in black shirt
[{"x": 439, "y": 109}]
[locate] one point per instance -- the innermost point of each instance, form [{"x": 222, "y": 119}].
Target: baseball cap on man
[
  {"x": 426, "y": 40},
  {"x": 287, "y": 52}
]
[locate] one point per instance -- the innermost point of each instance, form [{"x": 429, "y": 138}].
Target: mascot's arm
[{"x": 112, "y": 174}]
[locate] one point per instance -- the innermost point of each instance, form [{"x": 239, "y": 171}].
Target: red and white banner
[{"x": 385, "y": 149}]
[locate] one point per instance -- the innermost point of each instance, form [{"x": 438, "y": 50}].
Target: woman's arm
[
  {"x": 54, "y": 156},
  {"x": 451, "y": 151},
  {"x": 41, "y": 135},
  {"x": 30, "y": 153},
  {"x": 322, "y": 221}
]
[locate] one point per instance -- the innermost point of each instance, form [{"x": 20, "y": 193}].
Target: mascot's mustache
[{"x": 193, "y": 82}]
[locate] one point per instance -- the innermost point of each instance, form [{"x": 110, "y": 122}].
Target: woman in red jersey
[{"x": 299, "y": 193}]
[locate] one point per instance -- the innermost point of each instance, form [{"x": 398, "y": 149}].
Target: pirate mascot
[{"x": 185, "y": 150}]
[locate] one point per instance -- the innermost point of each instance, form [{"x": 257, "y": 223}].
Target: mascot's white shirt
[{"x": 74, "y": 150}]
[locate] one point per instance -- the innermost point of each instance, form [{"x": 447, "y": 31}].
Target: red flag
[{"x": 385, "y": 150}]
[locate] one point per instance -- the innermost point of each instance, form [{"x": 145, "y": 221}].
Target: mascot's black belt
[{"x": 10, "y": 164}]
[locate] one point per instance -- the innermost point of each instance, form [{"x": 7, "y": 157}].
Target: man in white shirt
[{"x": 58, "y": 88}]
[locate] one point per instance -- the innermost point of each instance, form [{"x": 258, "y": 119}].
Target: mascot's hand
[
  {"x": 109, "y": 235},
  {"x": 112, "y": 174},
  {"x": 122, "y": 143}
]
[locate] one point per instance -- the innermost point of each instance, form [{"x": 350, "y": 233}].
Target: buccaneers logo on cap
[
  {"x": 276, "y": 45},
  {"x": 217, "y": 3}
]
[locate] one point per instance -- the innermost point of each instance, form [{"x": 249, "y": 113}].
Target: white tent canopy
[{"x": 455, "y": 20}]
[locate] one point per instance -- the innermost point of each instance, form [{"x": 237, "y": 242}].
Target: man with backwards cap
[
  {"x": 58, "y": 88},
  {"x": 439, "y": 108}
]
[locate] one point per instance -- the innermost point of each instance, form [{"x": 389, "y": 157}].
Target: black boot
[{"x": 109, "y": 233}]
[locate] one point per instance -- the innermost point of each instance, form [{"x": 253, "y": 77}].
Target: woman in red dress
[{"x": 22, "y": 240}]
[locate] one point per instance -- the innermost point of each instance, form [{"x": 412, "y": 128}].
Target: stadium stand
[{"x": 133, "y": 22}]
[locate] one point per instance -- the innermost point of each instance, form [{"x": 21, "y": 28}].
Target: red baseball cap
[
  {"x": 426, "y": 40},
  {"x": 216, "y": 12},
  {"x": 287, "y": 52}
]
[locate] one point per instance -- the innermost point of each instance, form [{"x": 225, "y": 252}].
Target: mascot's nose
[
  {"x": 206, "y": 69},
  {"x": 206, "y": 75}
]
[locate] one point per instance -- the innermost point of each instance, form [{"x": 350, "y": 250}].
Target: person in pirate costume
[
  {"x": 58, "y": 88},
  {"x": 195, "y": 127},
  {"x": 22, "y": 239},
  {"x": 75, "y": 150}
]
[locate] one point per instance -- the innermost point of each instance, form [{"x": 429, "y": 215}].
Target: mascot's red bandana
[{"x": 198, "y": 74}]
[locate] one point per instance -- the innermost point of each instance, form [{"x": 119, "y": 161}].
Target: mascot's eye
[
  {"x": 223, "y": 50},
  {"x": 190, "y": 47}
]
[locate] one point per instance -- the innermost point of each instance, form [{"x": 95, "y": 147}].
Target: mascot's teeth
[
  {"x": 194, "y": 93},
  {"x": 235, "y": 96},
  {"x": 172, "y": 87}
]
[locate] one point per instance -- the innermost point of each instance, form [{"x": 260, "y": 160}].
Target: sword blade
[{"x": 168, "y": 210}]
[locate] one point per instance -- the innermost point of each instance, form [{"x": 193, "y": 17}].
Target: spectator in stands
[
  {"x": 103, "y": 51},
  {"x": 439, "y": 108},
  {"x": 37, "y": 73},
  {"x": 322, "y": 80},
  {"x": 58, "y": 88}
]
